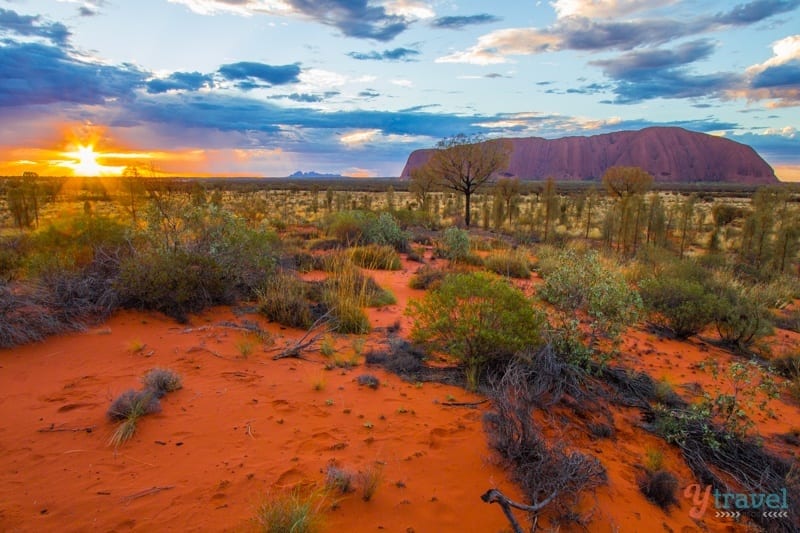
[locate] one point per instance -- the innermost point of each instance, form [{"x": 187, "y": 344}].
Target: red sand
[{"x": 244, "y": 427}]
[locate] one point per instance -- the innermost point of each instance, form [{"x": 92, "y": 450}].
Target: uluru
[{"x": 670, "y": 154}]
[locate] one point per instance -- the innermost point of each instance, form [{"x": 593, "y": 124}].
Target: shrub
[
  {"x": 427, "y": 277},
  {"x": 511, "y": 264},
  {"x": 284, "y": 299},
  {"x": 659, "y": 487},
  {"x": 127, "y": 409},
  {"x": 454, "y": 244},
  {"x": 370, "y": 479},
  {"x": 680, "y": 299},
  {"x": 160, "y": 381},
  {"x": 362, "y": 227},
  {"x": 25, "y": 317},
  {"x": 377, "y": 257},
  {"x": 291, "y": 512},
  {"x": 384, "y": 230},
  {"x": 741, "y": 315},
  {"x": 582, "y": 282},
  {"x": 368, "y": 380},
  {"x": 339, "y": 479},
  {"x": 477, "y": 318},
  {"x": 172, "y": 282}
]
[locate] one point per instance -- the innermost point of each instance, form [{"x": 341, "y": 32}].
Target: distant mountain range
[
  {"x": 312, "y": 175},
  {"x": 671, "y": 155}
]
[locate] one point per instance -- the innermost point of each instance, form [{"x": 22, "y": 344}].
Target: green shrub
[
  {"x": 478, "y": 319},
  {"x": 363, "y": 227},
  {"x": 373, "y": 256},
  {"x": 679, "y": 299},
  {"x": 454, "y": 244},
  {"x": 385, "y": 231},
  {"x": 291, "y": 512},
  {"x": 173, "y": 282},
  {"x": 511, "y": 264},
  {"x": 582, "y": 282},
  {"x": 741, "y": 315},
  {"x": 284, "y": 299}
]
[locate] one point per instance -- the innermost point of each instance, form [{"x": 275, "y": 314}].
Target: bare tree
[
  {"x": 465, "y": 163},
  {"x": 423, "y": 182}
]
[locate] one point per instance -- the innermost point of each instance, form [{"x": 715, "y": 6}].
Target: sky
[{"x": 270, "y": 87}]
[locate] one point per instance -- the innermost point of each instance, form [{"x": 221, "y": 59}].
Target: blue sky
[{"x": 267, "y": 87}]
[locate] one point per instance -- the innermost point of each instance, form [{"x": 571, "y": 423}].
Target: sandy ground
[{"x": 244, "y": 427}]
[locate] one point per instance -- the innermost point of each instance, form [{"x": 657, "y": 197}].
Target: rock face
[{"x": 671, "y": 155}]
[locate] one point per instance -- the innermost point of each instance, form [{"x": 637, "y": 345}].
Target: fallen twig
[
  {"x": 212, "y": 352},
  {"x": 495, "y": 496},
  {"x": 295, "y": 350},
  {"x": 53, "y": 429},
  {"x": 465, "y": 404},
  {"x": 146, "y": 492}
]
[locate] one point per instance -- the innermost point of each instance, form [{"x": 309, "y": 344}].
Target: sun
[{"x": 86, "y": 164}]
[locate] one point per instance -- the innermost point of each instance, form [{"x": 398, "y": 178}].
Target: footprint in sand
[{"x": 290, "y": 478}]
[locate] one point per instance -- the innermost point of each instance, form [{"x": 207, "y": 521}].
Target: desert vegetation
[{"x": 538, "y": 297}]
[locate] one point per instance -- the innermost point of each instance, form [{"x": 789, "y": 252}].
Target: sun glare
[{"x": 87, "y": 164}]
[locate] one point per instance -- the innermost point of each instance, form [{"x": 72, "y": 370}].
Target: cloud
[
  {"x": 179, "y": 81},
  {"x": 632, "y": 64},
  {"x": 35, "y": 74},
  {"x": 33, "y": 26},
  {"x": 493, "y": 47},
  {"x": 362, "y": 19},
  {"x": 777, "y": 78},
  {"x": 369, "y": 93},
  {"x": 247, "y": 71},
  {"x": 575, "y": 29},
  {"x": 308, "y": 98},
  {"x": 604, "y": 8},
  {"x": 396, "y": 54},
  {"x": 457, "y": 23}
]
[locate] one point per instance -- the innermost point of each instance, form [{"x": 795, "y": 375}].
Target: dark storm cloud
[
  {"x": 456, "y": 23},
  {"x": 354, "y": 18},
  {"x": 34, "y": 73},
  {"x": 33, "y": 26},
  {"x": 248, "y": 71},
  {"x": 397, "y": 54},
  {"x": 179, "y": 81}
]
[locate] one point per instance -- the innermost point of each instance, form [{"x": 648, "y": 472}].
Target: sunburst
[{"x": 86, "y": 162}]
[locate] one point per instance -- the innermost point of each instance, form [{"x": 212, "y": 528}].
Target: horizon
[{"x": 258, "y": 88}]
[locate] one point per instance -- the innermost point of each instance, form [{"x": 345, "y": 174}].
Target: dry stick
[
  {"x": 296, "y": 349},
  {"x": 495, "y": 496},
  {"x": 146, "y": 492},
  {"x": 464, "y": 404},
  {"x": 51, "y": 429},
  {"x": 212, "y": 352}
]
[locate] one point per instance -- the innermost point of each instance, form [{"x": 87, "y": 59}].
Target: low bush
[
  {"x": 173, "y": 282},
  {"x": 660, "y": 487},
  {"x": 284, "y": 299},
  {"x": 741, "y": 315},
  {"x": 679, "y": 299},
  {"x": 127, "y": 409},
  {"x": 368, "y": 380},
  {"x": 339, "y": 479},
  {"x": 291, "y": 512},
  {"x": 510, "y": 264},
  {"x": 161, "y": 381},
  {"x": 454, "y": 244},
  {"x": 427, "y": 277},
  {"x": 580, "y": 281},
  {"x": 477, "y": 318},
  {"x": 377, "y": 257}
]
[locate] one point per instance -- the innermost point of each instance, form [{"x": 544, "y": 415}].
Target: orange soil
[{"x": 242, "y": 428}]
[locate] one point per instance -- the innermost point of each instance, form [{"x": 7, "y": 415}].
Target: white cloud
[
  {"x": 604, "y": 8},
  {"x": 315, "y": 79},
  {"x": 359, "y": 137},
  {"x": 409, "y": 9},
  {"x": 787, "y": 131},
  {"x": 493, "y": 47},
  {"x": 402, "y": 83},
  {"x": 244, "y": 8},
  {"x": 783, "y": 51}
]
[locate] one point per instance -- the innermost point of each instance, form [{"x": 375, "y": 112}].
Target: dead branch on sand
[
  {"x": 146, "y": 492},
  {"x": 464, "y": 404},
  {"x": 53, "y": 429},
  {"x": 319, "y": 328},
  {"x": 495, "y": 496}
]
